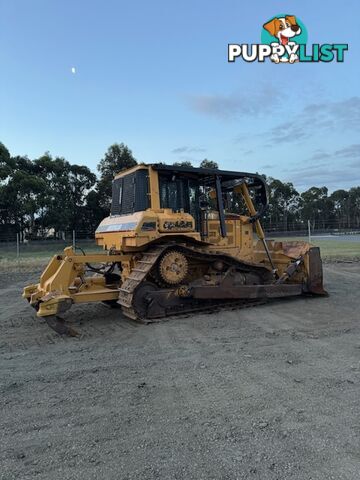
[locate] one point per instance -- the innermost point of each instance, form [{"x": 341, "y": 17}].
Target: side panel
[{"x": 131, "y": 232}]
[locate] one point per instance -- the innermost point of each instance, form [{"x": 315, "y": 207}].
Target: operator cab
[
  {"x": 151, "y": 201},
  {"x": 208, "y": 193}
]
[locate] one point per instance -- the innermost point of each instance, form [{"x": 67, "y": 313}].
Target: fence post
[
  {"x": 17, "y": 245},
  {"x": 73, "y": 239},
  {"x": 309, "y": 231}
]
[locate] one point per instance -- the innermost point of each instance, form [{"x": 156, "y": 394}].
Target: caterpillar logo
[{"x": 178, "y": 225}]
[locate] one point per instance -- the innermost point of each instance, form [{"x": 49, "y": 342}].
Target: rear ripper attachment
[{"x": 72, "y": 278}]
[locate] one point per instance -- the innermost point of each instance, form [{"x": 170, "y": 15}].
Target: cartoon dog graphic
[{"x": 283, "y": 28}]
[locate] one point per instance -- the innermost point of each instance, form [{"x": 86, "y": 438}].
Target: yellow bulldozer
[{"x": 178, "y": 240}]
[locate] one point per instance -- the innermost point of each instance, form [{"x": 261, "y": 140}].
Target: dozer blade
[{"x": 315, "y": 272}]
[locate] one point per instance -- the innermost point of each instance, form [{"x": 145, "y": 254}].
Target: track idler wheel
[{"x": 141, "y": 300}]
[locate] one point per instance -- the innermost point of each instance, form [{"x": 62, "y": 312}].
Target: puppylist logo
[{"x": 283, "y": 40}]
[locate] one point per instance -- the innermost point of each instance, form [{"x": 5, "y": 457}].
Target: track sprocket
[{"x": 173, "y": 267}]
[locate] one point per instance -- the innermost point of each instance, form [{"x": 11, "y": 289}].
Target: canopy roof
[{"x": 209, "y": 174}]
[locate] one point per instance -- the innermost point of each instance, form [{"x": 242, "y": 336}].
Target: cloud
[
  {"x": 320, "y": 156},
  {"x": 267, "y": 166},
  {"x": 186, "y": 149},
  {"x": 287, "y": 133},
  {"x": 318, "y": 118},
  {"x": 237, "y": 104},
  {"x": 322, "y": 176},
  {"x": 352, "y": 151},
  {"x": 325, "y": 171},
  {"x": 355, "y": 164}
]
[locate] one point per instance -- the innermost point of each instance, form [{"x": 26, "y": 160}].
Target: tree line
[{"x": 49, "y": 193}]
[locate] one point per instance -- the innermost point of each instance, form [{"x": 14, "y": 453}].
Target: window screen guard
[{"x": 130, "y": 193}]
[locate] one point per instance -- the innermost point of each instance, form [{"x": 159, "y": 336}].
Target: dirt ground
[{"x": 270, "y": 392}]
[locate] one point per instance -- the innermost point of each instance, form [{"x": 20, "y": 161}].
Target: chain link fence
[
  {"x": 15, "y": 243},
  {"x": 303, "y": 228},
  {"x": 20, "y": 245}
]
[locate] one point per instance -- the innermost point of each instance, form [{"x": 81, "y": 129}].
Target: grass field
[
  {"x": 334, "y": 249},
  {"x": 37, "y": 255}
]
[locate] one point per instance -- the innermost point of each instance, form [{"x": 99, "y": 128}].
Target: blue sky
[{"x": 155, "y": 76}]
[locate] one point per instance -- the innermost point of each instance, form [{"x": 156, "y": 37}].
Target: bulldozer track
[
  {"x": 137, "y": 275},
  {"x": 213, "y": 308},
  {"x": 143, "y": 267},
  {"x": 229, "y": 305}
]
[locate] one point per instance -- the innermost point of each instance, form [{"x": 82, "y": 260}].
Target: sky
[{"x": 155, "y": 76}]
